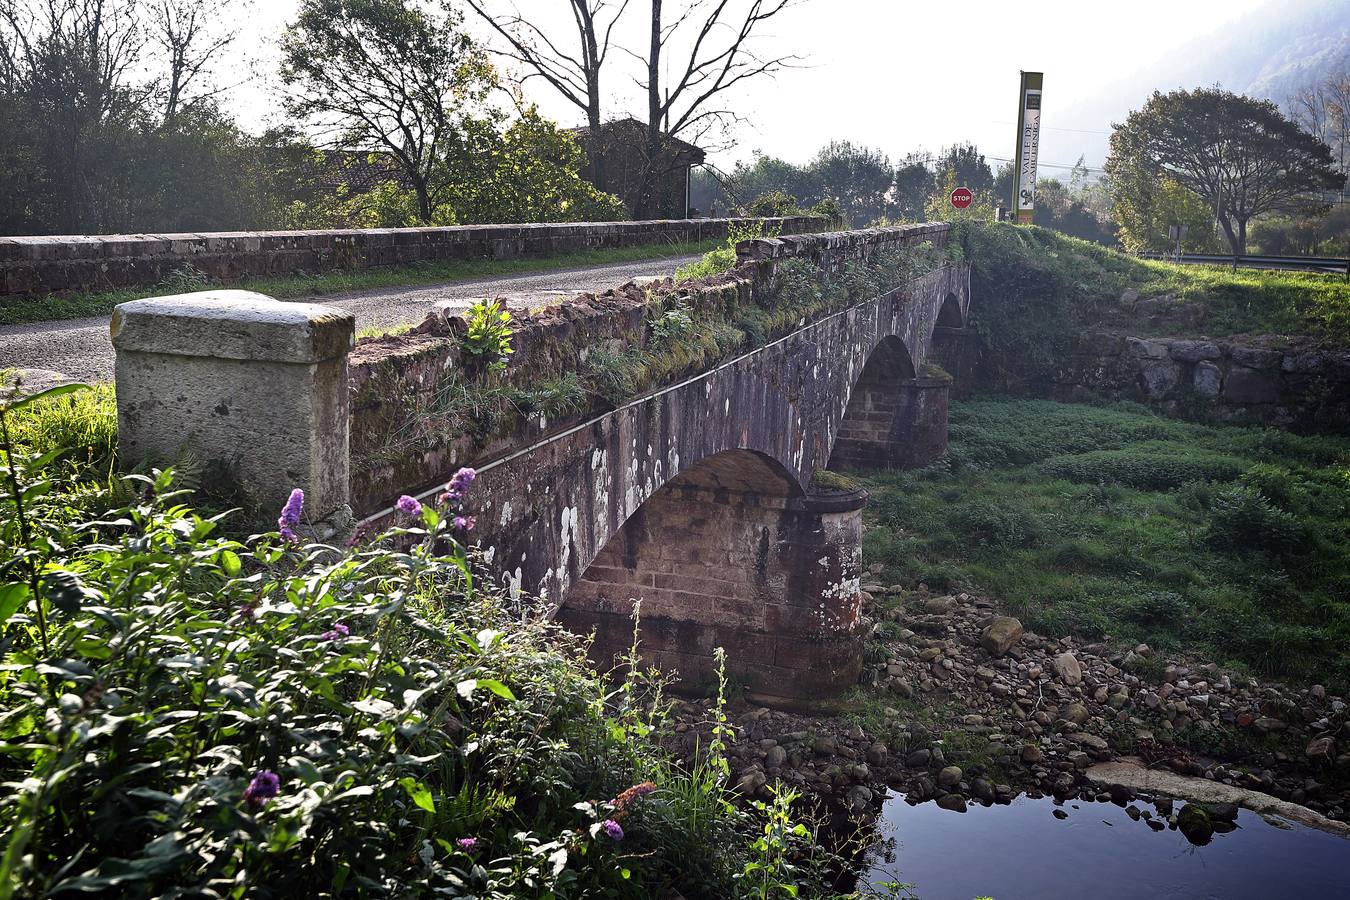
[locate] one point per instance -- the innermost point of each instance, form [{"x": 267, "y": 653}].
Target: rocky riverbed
[{"x": 962, "y": 705}]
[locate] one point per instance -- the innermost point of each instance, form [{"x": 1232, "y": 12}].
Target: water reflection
[{"x": 1036, "y": 848}]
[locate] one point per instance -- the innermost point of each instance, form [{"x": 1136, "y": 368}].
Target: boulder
[
  {"x": 1067, "y": 668},
  {"x": 1000, "y": 635}
]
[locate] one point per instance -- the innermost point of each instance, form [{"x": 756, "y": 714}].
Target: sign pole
[{"x": 1028, "y": 146}]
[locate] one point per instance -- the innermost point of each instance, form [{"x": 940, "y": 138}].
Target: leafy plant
[{"x": 487, "y": 340}]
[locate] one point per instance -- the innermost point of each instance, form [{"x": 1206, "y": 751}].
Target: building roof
[{"x": 630, "y": 130}]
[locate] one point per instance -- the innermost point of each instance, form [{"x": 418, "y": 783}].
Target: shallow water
[{"x": 1021, "y": 851}]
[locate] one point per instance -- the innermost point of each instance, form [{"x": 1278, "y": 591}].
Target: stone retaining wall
[
  {"x": 35, "y": 266},
  {"x": 1290, "y": 384}
]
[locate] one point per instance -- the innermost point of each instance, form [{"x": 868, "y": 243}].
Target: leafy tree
[
  {"x": 1145, "y": 206},
  {"x": 1059, "y": 206},
  {"x": 860, "y": 178},
  {"x": 528, "y": 173},
  {"x": 1241, "y": 156},
  {"x": 386, "y": 74},
  {"x": 939, "y": 207},
  {"x": 967, "y": 166},
  {"x": 912, "y": 186}
]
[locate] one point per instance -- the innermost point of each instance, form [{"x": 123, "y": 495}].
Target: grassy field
[
  {"x": 1037, "y": 286},
  {"x": 1109, "y": 521},
  {"x": 287, "y": 287}
]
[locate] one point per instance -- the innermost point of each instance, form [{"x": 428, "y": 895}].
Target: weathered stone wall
[
  {"x": 1291, "y": 384},
  {"x": 35, "y": 266}
]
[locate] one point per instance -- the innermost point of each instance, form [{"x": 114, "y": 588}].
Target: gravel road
[{"x": 80, "y": 348}]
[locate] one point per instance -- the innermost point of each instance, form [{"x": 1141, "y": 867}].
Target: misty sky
[{"x": 893, "y": 74}]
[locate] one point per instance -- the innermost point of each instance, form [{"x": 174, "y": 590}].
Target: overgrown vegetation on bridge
[
  {"x": 683, "y": 328},
  {"x": 1110, "y": 520},
  {"x": 182, "y": 711}
]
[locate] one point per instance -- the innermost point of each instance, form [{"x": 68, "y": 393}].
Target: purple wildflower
[
  {"x": 613, "y": 829},
  {"x": 337, "y": 632},
  {"x": 464, "y": 523},
  {"x": 290, "y": 515},
  {"x": 459, "y": 485},
  {"x": 409, "y": 506},
  {"x": 264, "y": 786},
  {"x": 466, "y": 844}
]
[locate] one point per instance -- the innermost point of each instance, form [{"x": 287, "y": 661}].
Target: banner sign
[{"x": 1028, "y": 145}]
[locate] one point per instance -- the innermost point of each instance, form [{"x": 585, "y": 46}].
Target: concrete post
[{"x": 252, "y": 389}]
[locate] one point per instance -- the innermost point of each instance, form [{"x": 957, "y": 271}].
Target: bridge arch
[
  {"x": 895, "y": 417},
  {"x": 731, "y": 553},
  {"x": 950, "y": 314}
]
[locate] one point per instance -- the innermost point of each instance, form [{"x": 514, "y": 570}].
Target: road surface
[{"x": 81, "y": 349}]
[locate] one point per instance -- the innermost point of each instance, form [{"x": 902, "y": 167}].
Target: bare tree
[
  {"x": 713, "y": 41},
  {"x": 573, "y": 73},
  {"x": 188, "y": 33}
]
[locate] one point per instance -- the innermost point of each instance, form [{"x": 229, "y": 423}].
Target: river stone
[
  {"x": 1222, "y": 812},
  {"x": 1067, "y": 668},
  {"x": 950, "y": 776},
  {"x": 1195, "y": 824},
  {"x": 999, "y": 635},
  {"x": 1076, "y": 713},
  {"x": 918, "y": 759},
  {"x": 775, "y": 757},
  {"x": 1321, "y": 749},
  {"x": 937, "y": 606},
  {"x": 1090, "y": 741}
]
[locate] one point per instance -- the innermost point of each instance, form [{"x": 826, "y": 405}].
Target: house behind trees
[{"x": 651, "y": 185}]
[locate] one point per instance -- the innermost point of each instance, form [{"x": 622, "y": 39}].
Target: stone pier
[{"x": 251, "y": 390}]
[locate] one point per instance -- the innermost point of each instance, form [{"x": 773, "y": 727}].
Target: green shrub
[
  {"x": 831, "y": 209},
  {"x": 1157, "y": 470},
  {"x": 1242, "y": 520},
  {"x": 773, "y": 205},
  {"x": 188, "y": 714},
  {"x": 998, "y": 525}
]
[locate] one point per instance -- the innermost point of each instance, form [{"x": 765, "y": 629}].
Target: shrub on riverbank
[
  {"x": 1110, "y": 520},
  {"x": 183, "y": 712}
]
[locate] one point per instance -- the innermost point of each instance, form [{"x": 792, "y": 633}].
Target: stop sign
[{"x": 961, "y": 197}]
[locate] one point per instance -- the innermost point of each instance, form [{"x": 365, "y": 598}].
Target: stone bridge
[{"x": 701, "y": 497}]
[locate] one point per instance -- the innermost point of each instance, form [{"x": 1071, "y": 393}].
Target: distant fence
[
  {"x": 1330, "y": 264},
  {"x": 35, "y": 266}
]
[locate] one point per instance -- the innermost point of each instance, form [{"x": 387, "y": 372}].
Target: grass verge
[
  {"x": 1111, "y": 522},
  {"x": 303, "y": 285}
]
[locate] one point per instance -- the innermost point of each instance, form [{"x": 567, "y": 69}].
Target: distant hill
[{"x": 1270, "y": 53}]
